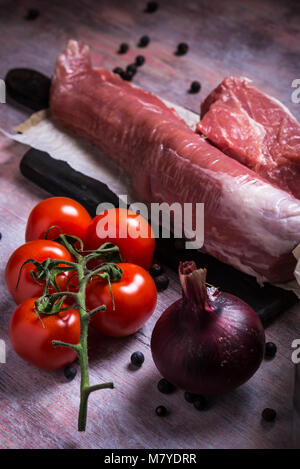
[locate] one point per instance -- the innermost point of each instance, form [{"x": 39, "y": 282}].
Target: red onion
[{"x": 208, "y": 342}]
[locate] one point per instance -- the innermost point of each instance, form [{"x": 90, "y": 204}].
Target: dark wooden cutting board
[{"x": 60, "y": 179}]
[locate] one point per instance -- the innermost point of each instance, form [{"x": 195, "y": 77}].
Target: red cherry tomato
[
  {"x": 118, "y": 226},
  {"x": 135, "y": 300},
  {"x": 69, "y": 215},
  {"x": 39, "y": 250},
  {"x": 34, "y": 343}
]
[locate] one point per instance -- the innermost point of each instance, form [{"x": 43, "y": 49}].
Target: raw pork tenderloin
[{"x": 249, "y": 223}]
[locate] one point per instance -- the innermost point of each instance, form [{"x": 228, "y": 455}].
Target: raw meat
[
  {"x": 249, "y": 223},
  {"x": 256, "y": 130}
]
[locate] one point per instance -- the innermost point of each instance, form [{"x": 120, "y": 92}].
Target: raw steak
[
  {"x": 256, "y": 130},
  {"x": 249, "y": 223}
]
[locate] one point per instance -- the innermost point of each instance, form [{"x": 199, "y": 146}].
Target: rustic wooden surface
[{"x": 39, "y": 409}]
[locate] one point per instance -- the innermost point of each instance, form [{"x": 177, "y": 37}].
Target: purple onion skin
[{"x": 208, "y": 350}]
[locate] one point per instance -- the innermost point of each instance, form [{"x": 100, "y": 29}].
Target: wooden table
[{"x": 39, "y": 409}]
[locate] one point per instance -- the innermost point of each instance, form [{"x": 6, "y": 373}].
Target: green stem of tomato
[
  {"x": 110, "y": 272},
  {"x": 83, "y": 351},
  {"x": 85, "y": 388},
  {"x": 82, "y": 347}
]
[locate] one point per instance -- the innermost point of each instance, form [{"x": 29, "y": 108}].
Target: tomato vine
[{"x": 51, "y": 303}]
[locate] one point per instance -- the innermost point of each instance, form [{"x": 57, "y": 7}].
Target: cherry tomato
[
  {"x": 69, "y": 215},
  {"x": 39, "y": 250},
  {"x": 118, "y": 226},
  {"x": 135, "y": 300},
  {"x": 33, "y": 342}
]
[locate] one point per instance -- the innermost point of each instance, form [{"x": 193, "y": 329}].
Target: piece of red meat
[
  {"x": 255, "y": 129},
  {"x": 249, "y": 223}
]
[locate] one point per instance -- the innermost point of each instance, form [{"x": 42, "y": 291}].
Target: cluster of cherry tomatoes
[{"x": 134, "y": 296}]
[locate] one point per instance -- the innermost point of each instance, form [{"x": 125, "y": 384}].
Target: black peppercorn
[
  {"x": 131, "y": 68},
  {"x": 195, "y": 87},
  {"x": 123, "y": 48},
  {"x": 269, "y": 415},
  {"x": 182, "y": 49},
  {"x": 118, "y": 70},
  {"x": 200, "y": 403},
  {"x": 165, "y": 387},
  {"x": 70, "y": 372},
  {"x": 190, "y": 397},
  {"x": 137, "y": 359},
  {"x": 144, "y": 41},
  {"x": 140, "y": 60},
  {"x": 270, "y": 350},
  {"x": 155, "y": 270},
  {"x": 127, "y": 76},
  {"x": 161, "y": 411},
  {"x": 151, "y": 7},
  {"x": 32, "y": 14},
  {"x": 161, "y": 282}
]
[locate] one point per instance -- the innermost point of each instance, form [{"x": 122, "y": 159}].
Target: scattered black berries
[
  {"x": 270, "y": 350},
  {"x": 155, "y": 270},
  {"x": 124, "y": 74},
  {"x": 144, "y": 41},
  {"x": 137, "y": 359},
  {"x": 165, "y": 387},
  {"x": 118, "y": 70},
  {"x": 131, "y": 68},
  {"x": 127, "y": 76},
  {"x": 123, "y": 48},
  {"x": 182, "y": 49},
  {"x": 151, "y": 7},
  {"x": 200, "y": 403},
  {"x": 161, "y": 411},
  {"x": 161, "y": 282},
  {"x": 70, "y": 372},
  {"x": 32, "y": 14},
  {"x": 269, "y": 415},
  {"x": 195, "y": 87},
  {"x": 140, "y": 60},
  {"x": 190, "y": 397}
]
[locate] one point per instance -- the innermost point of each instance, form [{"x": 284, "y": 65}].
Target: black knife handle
[
  {"x": 28, "y": 87},
  {"x": 60, "y": 179}
]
